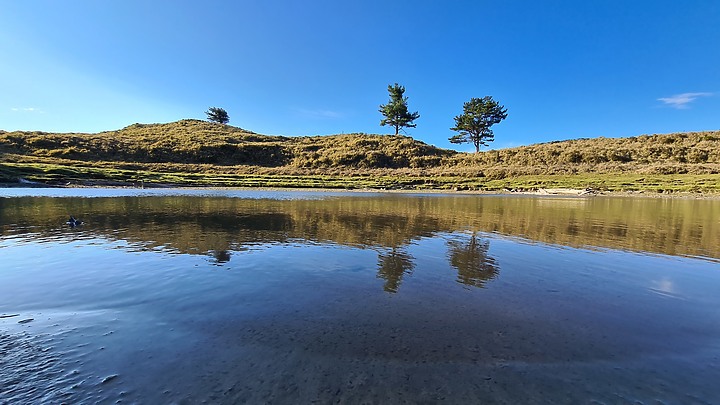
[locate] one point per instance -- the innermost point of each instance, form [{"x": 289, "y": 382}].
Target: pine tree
[
  {"x": 479, "y": 114},
  {"x": 218, "y": 115},
  {"x": 396, "y": 110}
]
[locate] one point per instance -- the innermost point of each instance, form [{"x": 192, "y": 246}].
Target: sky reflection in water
[{"x": 355, "y": 297}]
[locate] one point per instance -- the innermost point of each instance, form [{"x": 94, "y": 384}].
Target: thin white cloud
[
  {"x": 327, "y": 114},
  {"x": 665, "y": 285},
  {"x": 681, "y": 101},
  {"x": 26, "y": 109}
]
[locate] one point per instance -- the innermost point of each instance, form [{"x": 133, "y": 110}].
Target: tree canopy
[
  {"x": 396, "y": 110},
  {"x": 216, "y": 114},
  {"x": 479, "y": 114}
]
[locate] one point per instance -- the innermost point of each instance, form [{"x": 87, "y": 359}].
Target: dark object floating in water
[
  {"x": 26, "y": 320},
  {"x": 74, "y": 222},
  {"x": 221, "y": 256},
  {"x": 8, "y": 316}
]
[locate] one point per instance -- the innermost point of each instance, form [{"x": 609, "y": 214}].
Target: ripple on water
[
  {"x": 33, "y": 370},
  {"x": 30, "y": 369}
]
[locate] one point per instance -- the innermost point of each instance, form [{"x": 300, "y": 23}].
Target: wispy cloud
[
  {"x": 665, "y": 287},
  {"x": 26, "y": 109},
  {"x": 681, "y": 101},
  {"x": 326, "y": 114}
]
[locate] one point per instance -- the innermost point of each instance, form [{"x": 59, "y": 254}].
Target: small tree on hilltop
[
  {"x": 479, "y": 114},
  {"x": 218, "y": 115},
  {"x": 396, "y": 110}
]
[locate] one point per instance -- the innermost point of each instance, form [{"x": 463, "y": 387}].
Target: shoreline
[{"x": 547, "y": 192}]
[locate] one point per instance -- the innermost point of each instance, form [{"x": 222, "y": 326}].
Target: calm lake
[{"x": 227, "y": 296}]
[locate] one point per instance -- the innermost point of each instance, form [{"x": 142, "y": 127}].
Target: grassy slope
[{"x": 192, "y": 152}]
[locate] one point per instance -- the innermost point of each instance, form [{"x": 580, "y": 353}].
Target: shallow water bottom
[{"x": 321, "y": 323}]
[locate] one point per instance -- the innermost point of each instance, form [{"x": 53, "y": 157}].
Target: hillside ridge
[{"x": 196, "y": 142}]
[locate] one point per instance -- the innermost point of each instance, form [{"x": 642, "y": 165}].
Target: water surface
[{"x": 173, "y": 296}]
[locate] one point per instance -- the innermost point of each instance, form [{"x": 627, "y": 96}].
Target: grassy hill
[
  {"x": 193, "y": 152},
  {"x": 201, "y": 142}
]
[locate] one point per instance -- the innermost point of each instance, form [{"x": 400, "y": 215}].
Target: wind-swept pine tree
[
  {"x": 396, "y": 110},
  {"x": 216, "y": 114},
  {"x": 479, "y": 114}
]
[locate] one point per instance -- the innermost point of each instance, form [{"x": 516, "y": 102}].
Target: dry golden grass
[{"x": 198, "y": 148}]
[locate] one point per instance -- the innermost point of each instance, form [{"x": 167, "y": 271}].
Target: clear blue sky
[{"x": 564, "y": 69}]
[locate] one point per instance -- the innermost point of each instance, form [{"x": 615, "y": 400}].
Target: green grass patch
[{"x": 101, "y": 174}]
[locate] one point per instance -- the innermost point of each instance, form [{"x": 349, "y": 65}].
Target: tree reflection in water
[
  {"x": 470, "y": 259},
  {"x": 392, "y": 266}
]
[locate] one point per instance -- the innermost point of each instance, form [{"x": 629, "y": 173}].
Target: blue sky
[{"x": 564, "y": 69}]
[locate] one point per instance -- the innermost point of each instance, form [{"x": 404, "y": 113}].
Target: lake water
[{"x": 185, "y": 296}]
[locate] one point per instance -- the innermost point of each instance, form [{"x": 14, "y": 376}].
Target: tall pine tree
[
  {"x": 479, "y": 114},
  {"x": 396, "y": 110}
]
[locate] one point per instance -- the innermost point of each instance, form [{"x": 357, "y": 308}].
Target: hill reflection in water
[
  {"x": 200, "y": 225},
  {"x": 217, "y": 226}
]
